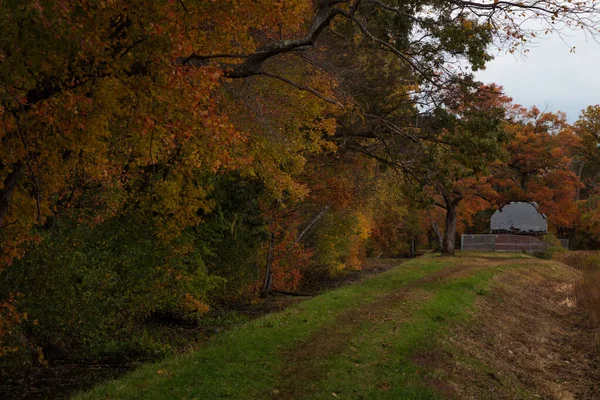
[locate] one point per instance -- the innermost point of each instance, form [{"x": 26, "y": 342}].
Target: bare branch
[
  {"x": 311, "y": 223},
  {"x": 184, "y": 7},
  {"x": 302, "y": 87},
  {"x": 410, "y": 61},
  {"x": 394, "y": 128}
]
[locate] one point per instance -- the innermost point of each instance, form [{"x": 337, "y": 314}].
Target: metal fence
[
  {"x": 477, "y": 242},
  {"x": 503, "y": 242},
  {"x": 519, "y": 243}
]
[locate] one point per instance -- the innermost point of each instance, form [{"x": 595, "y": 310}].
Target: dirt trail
[
  {"x": 305, "y": 364},
  {"x": 528, "y": 341}
]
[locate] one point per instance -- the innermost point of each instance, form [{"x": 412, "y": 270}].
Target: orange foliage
[{"x": 539, "y": 168}]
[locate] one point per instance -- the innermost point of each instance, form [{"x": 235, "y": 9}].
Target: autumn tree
[
  {"x": 457, "y": 143},
  {"x": 587, "y": 154},
  {"x": 540, "y": 165},
  {"x": 587, "y": 129}
]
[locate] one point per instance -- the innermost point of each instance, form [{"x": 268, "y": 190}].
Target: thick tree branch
[{"x": 252, "y": 65}]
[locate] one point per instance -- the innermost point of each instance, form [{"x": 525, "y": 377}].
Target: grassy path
[{"x": 385, "y": 338}]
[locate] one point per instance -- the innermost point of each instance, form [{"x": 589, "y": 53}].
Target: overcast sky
[{"x": 549, "y": 75}]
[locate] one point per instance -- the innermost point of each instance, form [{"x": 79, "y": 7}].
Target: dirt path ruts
[{"x": 304, "y": 362}]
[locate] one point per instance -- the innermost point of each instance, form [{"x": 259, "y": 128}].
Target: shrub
[
  {"x": 549, "y": 253},
  {"x": 581, "y": 260},
  {"x": 87, "y": 289},
  {"x": 551, "y": 240}
]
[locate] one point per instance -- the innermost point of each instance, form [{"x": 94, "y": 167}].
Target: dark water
[{"x": 59, "y": 381}]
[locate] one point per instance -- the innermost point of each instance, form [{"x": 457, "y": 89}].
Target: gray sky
[{"x": 549, "y": 75}]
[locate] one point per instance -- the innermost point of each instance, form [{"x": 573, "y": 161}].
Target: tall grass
[{"x": 587, "y": 289}]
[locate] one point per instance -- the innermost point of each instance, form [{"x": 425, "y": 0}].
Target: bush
[
  {"x": 551, "y": 240},
  {"x": 588, "y": 294},
  {"x": 87, "y": 290},
  {"x": 549, "y": 253}
]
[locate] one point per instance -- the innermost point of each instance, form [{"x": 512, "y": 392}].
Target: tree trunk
[
  {"x": 269, "y": 272},
  {"x": 437, "y": 232},
  {"x": 450, "y": 228}
]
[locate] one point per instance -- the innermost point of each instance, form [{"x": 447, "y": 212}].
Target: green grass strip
[
  {"x": 380, "y": 362},
  {"x": 384, "y": 335}
]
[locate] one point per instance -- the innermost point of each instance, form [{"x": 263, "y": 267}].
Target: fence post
[{"x": 462, "y": 242}]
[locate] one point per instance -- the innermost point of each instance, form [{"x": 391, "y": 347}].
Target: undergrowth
[{"x": 588, "y": 288}]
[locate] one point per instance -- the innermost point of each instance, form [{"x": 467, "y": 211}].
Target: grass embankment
[{"x": 372, "y": 340}]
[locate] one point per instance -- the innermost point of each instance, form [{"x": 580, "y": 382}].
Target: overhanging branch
[
  {"x": 253, "y": 63},
  {"x": 302, "y": 87}
]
